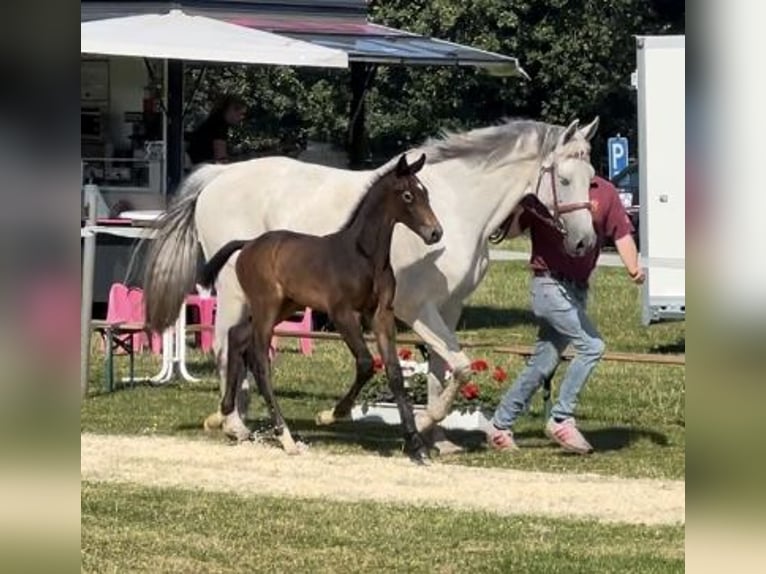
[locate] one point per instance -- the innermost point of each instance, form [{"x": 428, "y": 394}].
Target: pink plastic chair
[
  {"x": 126, "y": 305},
  {"x": 205, "y": 305},
  {"x": 136, "y": 298},
  {"x": 120, "y": 309},
  {"x": 304, "y": 324}
]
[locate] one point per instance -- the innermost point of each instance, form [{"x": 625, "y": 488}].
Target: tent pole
[
  {"x": 175, "y": 122},
  {"x": 358, "y": 150},
  {"x": 165, "y": 132},
  {"x": 86, "y": 300}
]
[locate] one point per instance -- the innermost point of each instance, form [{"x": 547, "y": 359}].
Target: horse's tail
[
  {"x": 171, "y": 263},
  {"x": 213, "y": 267}
]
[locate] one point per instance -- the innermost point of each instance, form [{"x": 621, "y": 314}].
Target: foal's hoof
[
  {"x": 420, "y": 458},
  {"x": 213, "y": 422},
  {"x": 324, "y": 418},
  {"x": 417, "y": 450}
]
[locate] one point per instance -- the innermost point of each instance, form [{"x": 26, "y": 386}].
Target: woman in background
[{"x": 208, "y": 143}]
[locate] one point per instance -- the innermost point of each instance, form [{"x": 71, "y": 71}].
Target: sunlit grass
[
  {"x": 633, "y": 413},
  {"x": 138, "y": 529}
]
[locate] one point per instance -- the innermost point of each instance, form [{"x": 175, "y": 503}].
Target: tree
[{"x": 579, "y": 54}]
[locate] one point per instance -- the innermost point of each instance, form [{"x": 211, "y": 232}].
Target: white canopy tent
[{"x": 178, "y": 36}]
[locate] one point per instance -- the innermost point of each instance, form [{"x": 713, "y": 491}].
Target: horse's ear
[
  {"x": 568, "y": 133},
  {"x": 418, "y": 165},
  {"x": 402, "y": 169},
  {"x": 590, "y": 130}
]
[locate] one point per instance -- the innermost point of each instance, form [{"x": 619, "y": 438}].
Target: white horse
[{"x": 476, "y": 180}]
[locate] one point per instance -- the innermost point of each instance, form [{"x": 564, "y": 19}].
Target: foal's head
[{"x": 406, "y": 200}]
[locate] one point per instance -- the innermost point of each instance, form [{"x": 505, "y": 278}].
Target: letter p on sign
[{"x": 617, "y": 148}]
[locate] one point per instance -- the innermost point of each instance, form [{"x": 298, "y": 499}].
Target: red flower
[
  {"x": 499, "y": 374},
  {"x": 405, "y": 354},
  {"x": 470, "y": 391},
  {"x": 377, "y": 364},
  {"x": 479, "y": 365}
]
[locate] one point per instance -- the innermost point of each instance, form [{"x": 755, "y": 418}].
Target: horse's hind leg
[
  {"x": 231, "y": 309},
  {"x": 257, "y": 354},
  {"x": 238, "y": 341},
  {"x": 231, "y": 365},
  {"x": 347, "y": 324}
]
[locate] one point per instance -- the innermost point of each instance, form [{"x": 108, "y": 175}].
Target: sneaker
[
  {"x": 501, "y": 439},
  {"x": 567, "y": 436}
]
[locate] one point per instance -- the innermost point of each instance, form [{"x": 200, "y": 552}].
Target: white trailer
[{"x": 662, "y": 174}]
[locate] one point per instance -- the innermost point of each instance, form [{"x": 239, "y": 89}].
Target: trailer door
[{"x": 662, "y": 179}]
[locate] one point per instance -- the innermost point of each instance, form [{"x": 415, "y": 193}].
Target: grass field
[
  {"x": 633, "y": 414},
  {"x": 127, "y": 528}
]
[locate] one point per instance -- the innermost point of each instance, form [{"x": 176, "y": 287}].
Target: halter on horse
[{"x": 534, "y": 205}]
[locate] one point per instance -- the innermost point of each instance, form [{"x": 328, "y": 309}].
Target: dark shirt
[
  {"x": 201, "y": 140},
  {"x": 609, "y": 220}
]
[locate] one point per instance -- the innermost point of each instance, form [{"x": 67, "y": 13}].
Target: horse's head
[
  {"x": 563, "y": 186},
  {"x": 408, "y": 202}
]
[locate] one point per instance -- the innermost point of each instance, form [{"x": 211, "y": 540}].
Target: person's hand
[{"x": 637, "y": 275}]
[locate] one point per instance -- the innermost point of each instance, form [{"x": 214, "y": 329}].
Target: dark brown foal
[{"x": 347, "y": 275}]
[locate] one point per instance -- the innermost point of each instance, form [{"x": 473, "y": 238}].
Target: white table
[{"x": 174, "y": 353}]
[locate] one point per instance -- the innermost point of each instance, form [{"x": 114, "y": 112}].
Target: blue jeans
[{"x": 560, "y": 308}]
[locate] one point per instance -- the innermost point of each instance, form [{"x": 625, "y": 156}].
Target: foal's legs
[
  {"x": 385, "y": 332},
  {"x": 347, "y": 324},
  {"x": 257, "y": 358}
]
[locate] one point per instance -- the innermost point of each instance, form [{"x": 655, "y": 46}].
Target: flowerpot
[{"x": 388, "y": 413}]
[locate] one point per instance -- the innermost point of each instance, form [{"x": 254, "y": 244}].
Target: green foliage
[
  {"x": 579, "y": 54},
  {"x": 285, "y": 105}
]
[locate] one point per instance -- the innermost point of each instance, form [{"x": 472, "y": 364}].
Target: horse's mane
[{"x": 493, "y": 145}]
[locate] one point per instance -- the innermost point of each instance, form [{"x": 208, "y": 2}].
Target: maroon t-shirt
[{"x": 609, "y": 220}]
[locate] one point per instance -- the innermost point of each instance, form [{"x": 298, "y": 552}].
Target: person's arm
[
  {"x": 626, "y": 247},
  {"x": 220, "y": 153},
  {"x": 620, "y": 229}
]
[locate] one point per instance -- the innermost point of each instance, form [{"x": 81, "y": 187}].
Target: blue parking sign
[{"x": 617, "y": 148}]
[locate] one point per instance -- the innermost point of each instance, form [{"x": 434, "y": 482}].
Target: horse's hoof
[
  {"x": 324, "y": 418},
  {"x": 239, "y": 436},
  {"x": 213, "y": 422},
  {"x": 237, "y": 431},
  {"x": 290, "y": 446},
  {"x": 420, "y": 458},
  {"x": 446, "y": 447},
  {"x": 416, "y": 449}
]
